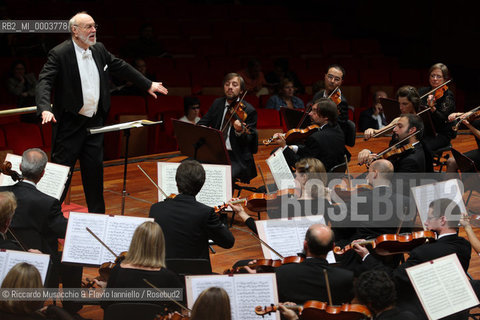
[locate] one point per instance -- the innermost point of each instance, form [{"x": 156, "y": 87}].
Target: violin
[
  {"x": 236, "y": 113},
  {"x": 345, "y": 191},
  {"x": 336, "y": 96},
  {"x": 472, "y": 115},
  {"x": 395, "y": 150},
  {"x": 388, "y": 244},
  {"x": 259, "y": 202},
  {"x": 313, "y": 309},
  {"x": 292, "y": 136},
  {"x": 6, "y": 168},
  {"x": 439, "y": 92},
  {"x": 266, "y": 265}
]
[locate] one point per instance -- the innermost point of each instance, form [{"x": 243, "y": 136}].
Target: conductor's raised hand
[
  {"x": 47, "y": 116},
  {"x": 157, "y": 87}
]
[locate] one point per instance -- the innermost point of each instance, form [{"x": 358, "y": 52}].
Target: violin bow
[
  {"x": 261, "y": 241},
  {"x": 327, "y": 283},
  {"x": 151, "y": 180},
  {"x": 101, "y": 242},
  {"x": 226, "y": 122},
  {"x": 348, "y": 171},
  {"x": 263, "y": 178},
  {"x": 435, "y": 89},
  {"x": 331, "y": 94},
  {"x": 396, "y": 144},
  {"x": 174, "y": 301},
  {"x": 16, "y": 239}
]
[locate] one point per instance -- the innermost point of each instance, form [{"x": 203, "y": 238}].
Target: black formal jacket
[
  {"x": 243, "y": 146},
  {"x": 61, "y": 75},
  {"x": 366, "y": 121},
  {"x": 187, "y": 225},
  {"x": 444, "y": 107},
  {"x": 327, "y": 145},
  {"x": 426, "y": 252},
  {"x": 300, "y": 282},
  {"x": 413, "y": 161},
  {"x": 38, "y": 220}
]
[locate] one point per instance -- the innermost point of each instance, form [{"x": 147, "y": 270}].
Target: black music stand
[
  {"x": 125, "y": 127},
  {"x": 292, "y": 118},
  {"x": 391, "y": 108},
  {"x": 201, "y": 143}
]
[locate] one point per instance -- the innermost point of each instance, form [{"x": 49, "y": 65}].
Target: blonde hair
[
  {"x": 8, "y": 204},
  {"x": 213, "y": 304},
  {"x": 147, "y": 248},
  {"x": 315, "y": 170},
  {"x": 22, "y": 275}
]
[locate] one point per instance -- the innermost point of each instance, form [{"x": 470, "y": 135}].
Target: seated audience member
[
  {"x": 145, "y": 259},
  {"x": 300, "y": 282},
  {"x": 281, "y": 70},
  {"x": 186, "y": 223},
  {"x": 22, "y": 84},
  {"x": 26, "y": 276},
  {"x": 255, "y": 82},
  {"x": 191, "y": 110},
  {"x": 376, "y": 290},
  {"x": 285, "y": 97},
  {"x": 127, "y": 88},
  {"x": 213, "y": 304},
  {"x": 373, "y": 117},
  {"x": 8, "y": 204},
  {"x": 441, "y": 219},
  {"x": 146, "y": 45}
]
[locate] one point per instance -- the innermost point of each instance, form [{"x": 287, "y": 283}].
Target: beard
[{"x": 86, "y": 39}]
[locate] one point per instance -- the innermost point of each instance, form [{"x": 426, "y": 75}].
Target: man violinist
[
  {"x": 443, "y": 218},
  {"x": 412, "y": 159},
  {"x": 241, "y": 139},
  {"x": 327, "y": 143}
]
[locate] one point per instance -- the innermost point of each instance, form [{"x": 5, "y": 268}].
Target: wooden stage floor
[{"x": 142, "y": 194}]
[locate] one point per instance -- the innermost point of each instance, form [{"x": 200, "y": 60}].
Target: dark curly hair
[{"x": 376, "y": 290}]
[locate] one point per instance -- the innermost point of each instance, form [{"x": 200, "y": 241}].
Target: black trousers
[{"x": 71, "y": 142}]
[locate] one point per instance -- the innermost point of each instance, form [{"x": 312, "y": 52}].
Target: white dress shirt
[{"x": 90, "y": 80}]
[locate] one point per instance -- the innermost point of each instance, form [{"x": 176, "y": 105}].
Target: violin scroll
[{"x": 6, "y": 168}]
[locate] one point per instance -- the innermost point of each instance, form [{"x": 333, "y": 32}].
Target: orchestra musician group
[{"x": 182, "y": 226}]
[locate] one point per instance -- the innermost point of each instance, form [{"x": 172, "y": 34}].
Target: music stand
[
  {"x": 201, "y": 143},
  {"x": 391, "y": 108},
  {"x": 125, "y": 127},
  {"x": 292, "y": 118}
]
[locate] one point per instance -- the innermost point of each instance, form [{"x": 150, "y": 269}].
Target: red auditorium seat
[
  {"x": 206, "y": 101},
  {"x": 374, "y": 76},
  {"x": 3, "y": 142},
  {"x": 263, "y": 100},
  {"x": 163, "y": 104},
  {"x": 268, "y": 119},
  {"x": 163, "y": 139},
  {"x": 253, "y": 100},
  {"x": 125, "y": 105},
  {"x": 22, "y": 136},
  {"x": 401, "y": 77}
]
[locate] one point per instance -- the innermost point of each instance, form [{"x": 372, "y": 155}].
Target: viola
[
  {"x": 258, "y": 202},
  {"x": 388, "y": 244},
  {"x": 313, "y": 309},
  {"x": 6, "y": 168},
  {"x": 292, "y": 136}
]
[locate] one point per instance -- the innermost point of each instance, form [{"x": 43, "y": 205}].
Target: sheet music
[
  {"x": 442, "y": 286},
  {"x": 280, "y": 170},
  {"x": 286, "y": 236},
  {"x": 425, "y": 194},
  {"x": 10, "y": 258},
  {"x": 52, "y": 182},
  {"x": 216, "y": 190},
  {"x": 82, "y": 248},
  {"x": 123, "y": 126},
  {"x": 246, "y": 291}
]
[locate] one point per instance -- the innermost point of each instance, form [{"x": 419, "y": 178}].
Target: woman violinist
[
  {"x": 145, "y": 259},
  {"x": 441, "y": 103},
  {"x": 469, "y": 119}
]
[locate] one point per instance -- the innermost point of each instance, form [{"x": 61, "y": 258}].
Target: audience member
[
  {"x": 285, "y": 97},
  {"x": 281, "y": 70},
  {"x": 373, "y": 117},
  {"x": 146, "y": 45},
  {"x": 191, "y": 110},
  {"x": 22, "y": 84},
  {"x": 127, "y": 88},
  {"x": 255, "y": 82}
]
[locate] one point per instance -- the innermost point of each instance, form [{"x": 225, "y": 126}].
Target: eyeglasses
[
  {"x": 332, "y": 77},
  {"x": 436, "y": 76},
  {"x": 88, "y": 26}
]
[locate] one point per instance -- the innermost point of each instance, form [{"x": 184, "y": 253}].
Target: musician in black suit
[
  {"x": 443, "y": 218},
  {"x": 77, "y": 72},
  {"x": 327, "y": 144},
  {"x": 38, "y": 222},
  {"x": 241, "y": 141},
  {"x": 300, "y": 282},
  {"x": 186, "y": 223},
  {"x": 373, "y": 117},
  {"x": 413, "y": 159},
  {"x": 8, "y": 204}
]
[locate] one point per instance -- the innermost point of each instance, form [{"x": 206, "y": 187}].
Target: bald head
[
  {"x": 83, "y": 30},
  {"x": 318, "y": 240},
  {"x": 33, "y": 164},
  {"x": 380, "y": 171}
]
